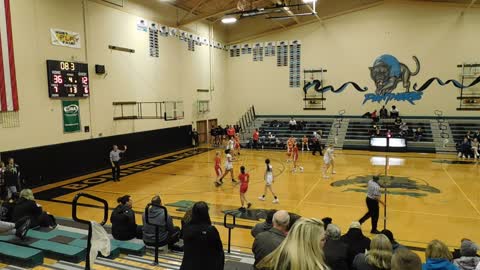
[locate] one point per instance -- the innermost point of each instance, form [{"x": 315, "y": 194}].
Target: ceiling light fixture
[
  {"x": 309, "y": 1},
  {"x": 229, "y": 20}
]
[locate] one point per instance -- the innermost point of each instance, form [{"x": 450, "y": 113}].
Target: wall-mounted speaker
[{"x": 100, "y": 69}]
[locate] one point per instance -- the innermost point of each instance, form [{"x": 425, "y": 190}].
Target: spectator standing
[
  {"x": 475, "y": 147},
  {"x": 357, "y": 243},
  {"x": 438, "y": 257},
  {"x": 335, "y": 249},
  {"x": 203, "y": 247},
  {"x": 465, "y": 148},
  {"x": 292, "y": 124},
  {"x": 418, "y": 134},
  {"x": 195, "y": 139},
  {"x": 268, "y": 241},
  {"x": 383, "y": 112},
  {"x": 11, "y": 175},
  {"x": 378, "y": 257},
  {"x": 124, "y": 226},
  {"x": 394, "y": 113},
  {"x": 264, "y": 226},
  {"x": 468, "y": 259}
]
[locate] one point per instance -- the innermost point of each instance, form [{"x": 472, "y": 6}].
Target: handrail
[
  {"x": 157, "y": 227},
  {"x": 75, "y": 218},
  {"x": 441, "y": 126},
  {"x": 230, "y": 227}
]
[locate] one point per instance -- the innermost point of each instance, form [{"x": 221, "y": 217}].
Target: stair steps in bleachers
[
  {"x": 443, "y": 138},
  {"x": 338, "y": 133}
]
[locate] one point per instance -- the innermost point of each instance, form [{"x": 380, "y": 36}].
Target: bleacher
[
  {"x": 280, "y": 129},
  {"x": 359, "y": 133},
  {"x": 460, "y": 128},
  {"x": 65, "y": 248}
]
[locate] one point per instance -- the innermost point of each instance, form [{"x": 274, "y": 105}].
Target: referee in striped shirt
[
  {"x": 115, "y": 161},
  {"x": 373, "y": 199}
]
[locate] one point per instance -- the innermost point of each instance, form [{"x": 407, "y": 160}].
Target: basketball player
[
  {"x": 115, "y": 161},
  {"x": 231, "y": 146},
  {"x": 290, "y": 142},
  {"x": 228, "y": 167},
  {"x": 237, "y": 144},
  {"x": 244, "y": 179},
  {"x": 218, "y": 169},
  {"x": 295, "y": 158},
  {"x": 305, "y": 143},
  {"x": 268, "y": 182},
  {"x": 328, "y": 159}
]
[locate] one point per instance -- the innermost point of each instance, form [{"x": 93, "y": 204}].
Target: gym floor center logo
[
  {"x": 387, "y": 72},
  {"x": 396, "y": 185}
]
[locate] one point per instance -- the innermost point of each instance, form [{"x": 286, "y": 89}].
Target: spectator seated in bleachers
[
  {"x": 469, "y": 135},
  {"x": 268, "y": 241},
  {"x": 367, "y": 115},
  {"x": 26, "y": 207},
  {"x": 438, "y": 257},
  {"x": 378, "y": 257},
  {"x": 307, "y": 238},
  {"x": 203, "y": 247},
  {"x": 395, "y": 244},
  {"x": 403, "y": 129},
  {"x": 357, "y": 243},
  {"x": 405, "y": 259},
  {"x": 468, "y": 259},
  {"x": 456, "y": 252},
  {"x": 7, "y": 207},
  {"x": 336, "y": 251},
  {"x": 464, "y": 148},
  {"x": 124, "y": 226},
  {"x": 383, "y": 113},
  {"x": 394, "y": 113},
  {"x": 477, "y": 135},
  {"x": 264, "y": 226},
  {"x": 374, "y": 116},
  {"x": 397, "y": 123},
  {"x": 168, "y": 234},
  {"x": 418, "y": 134},
  {"x": 19, "y": 229},
  {"x": 292, "y": 124},
  {"x": 375, "y": 131},
  {"x": 475, "y": 148},
  {"x": 275, "y": 123}
]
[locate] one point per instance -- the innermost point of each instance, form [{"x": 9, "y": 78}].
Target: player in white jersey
[
  {"x": 268, "y": 182},
  {"x": 329, "y": 160},
  {"x": 231, "y": 146},
  {"x": 228, "y": 167}
]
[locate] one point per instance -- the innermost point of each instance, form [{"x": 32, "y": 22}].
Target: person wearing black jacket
[
  {"x": 203, "y": 247},
  {"x": 26, "y": 207},
  {"x": 356, "y": 241},
  {"x": 124, "y": 226},
  {"x": 11, "y": 176},
  {"x": 335, "y": 250}
]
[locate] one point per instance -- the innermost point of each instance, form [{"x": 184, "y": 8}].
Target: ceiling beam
[
  {"x": 471, "y": 4},
  {"x": 201, "y": 2},
  {"x": 277, "y": 30},
  {"x": 314, "y": 12},
  {"x": 288, "y": 11},
  {"x": 206, "y": 16}
]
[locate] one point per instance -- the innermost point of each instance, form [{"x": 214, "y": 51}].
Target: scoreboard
[{"x": 67, "y": 79}]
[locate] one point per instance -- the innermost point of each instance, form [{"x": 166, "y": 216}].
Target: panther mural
[{"x": 387, "y": 72}]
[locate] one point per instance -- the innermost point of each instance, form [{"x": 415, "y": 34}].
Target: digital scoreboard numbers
[{"x": 67, "y": 79}]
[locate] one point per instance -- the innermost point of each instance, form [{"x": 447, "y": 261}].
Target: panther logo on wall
[{"x": 387, "y": 72}]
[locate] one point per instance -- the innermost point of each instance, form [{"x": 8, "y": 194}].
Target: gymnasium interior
[{"x": 164, "y": 79}]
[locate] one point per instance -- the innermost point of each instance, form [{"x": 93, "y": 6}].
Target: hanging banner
[
  {"x": 71, "y": 116},
  {"x": 65, "y": 38}
]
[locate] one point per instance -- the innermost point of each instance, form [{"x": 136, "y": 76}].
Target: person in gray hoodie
[
  {"x": 168, "y": 234},
  {"x": 468, "y": 259}
]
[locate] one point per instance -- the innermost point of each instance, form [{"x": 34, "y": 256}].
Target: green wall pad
[
  {"x": 129, "y": 248},
  {"x": 20, "y": 256},
  {"x": 60, "y": 251},
  {"x": 114, "y": 249}
]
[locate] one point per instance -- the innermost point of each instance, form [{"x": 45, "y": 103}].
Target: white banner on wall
[
  {"x": 65, "y": 38},
  {"x": 142, "y": 25}
]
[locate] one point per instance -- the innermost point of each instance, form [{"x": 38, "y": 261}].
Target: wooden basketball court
[{"x": 430, "y": 196}]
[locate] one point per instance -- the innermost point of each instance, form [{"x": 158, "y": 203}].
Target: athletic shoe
[
  {"x": 234, "y": 181},
  {"x": 294, "y": 170},
  {"x": 275, "y": 201},
  {"x": 334, "y": 172},
  {"x": 242, "y": 209},
  {"x": 249, "y": 205},
  {"x": 261, "y": 198},
  {"x": 326, "y": 176},
  {"x": 217, "y": 184},
  {"x": 301, "y": 169}
]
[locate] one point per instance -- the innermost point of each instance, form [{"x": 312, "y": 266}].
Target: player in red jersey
[
  {"x": 290, "y": 142},
  {"x": 237, "y": 144},
  {"x": 244, "y": 180},
  {"x": 295, "y": 158},
  {"x": 218, "y": 168}
]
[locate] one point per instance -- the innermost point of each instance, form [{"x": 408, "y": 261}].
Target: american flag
[{"x": 8, "y": 81}]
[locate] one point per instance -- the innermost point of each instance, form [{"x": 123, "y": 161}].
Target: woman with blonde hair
[
  {"x": 438, "y": 257},
  {"x": 26, "y": 207},
  {"x": 378, "y": 257},
  {"x": 302, "y": 249}
]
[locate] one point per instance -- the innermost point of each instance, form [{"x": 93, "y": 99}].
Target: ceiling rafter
[
  {"x": 192, "y": 10},
  {"x": 288, "y": 11}
]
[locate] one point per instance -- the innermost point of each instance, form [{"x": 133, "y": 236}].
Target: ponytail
[{"x": 267, "y": 162}]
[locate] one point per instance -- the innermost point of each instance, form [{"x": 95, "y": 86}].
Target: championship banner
[
  {"x": 65, "y": 38},
  {"x": 71, "y": 116}
]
